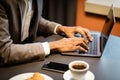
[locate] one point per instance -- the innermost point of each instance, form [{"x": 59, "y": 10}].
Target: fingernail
[
  {"x": 85, "y": 50},
  {"x": 88, "y": 48},
  {"x": 91, "y": 39}
]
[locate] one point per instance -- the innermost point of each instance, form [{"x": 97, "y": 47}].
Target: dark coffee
[{"x": 79, "y": 66}]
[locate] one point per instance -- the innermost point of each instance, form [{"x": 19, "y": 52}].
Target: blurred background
[
  {"x": 61, "y": 11},
  {"x": 72, "y": 12}
]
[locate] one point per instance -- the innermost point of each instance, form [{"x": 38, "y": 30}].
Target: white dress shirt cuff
[
  {"x": 56, "y": 28},
  {"x": 46, "y": 48}
]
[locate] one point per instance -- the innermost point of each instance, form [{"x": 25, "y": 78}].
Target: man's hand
[
  {"x": 69, "y": 44},
  {"x": 70, "y": 31}
]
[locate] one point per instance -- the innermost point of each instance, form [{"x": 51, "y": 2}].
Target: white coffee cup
[{"x": 78, "y": 69}]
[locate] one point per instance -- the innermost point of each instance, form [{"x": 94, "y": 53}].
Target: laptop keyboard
[{"x": 92, "y": 45}]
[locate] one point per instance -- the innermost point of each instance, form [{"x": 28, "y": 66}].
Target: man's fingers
[
  {"x": 84, "y": 36},
  {"x": 85, "y": 46},
  {"x": 82, "y": 49},
  {"x": 88, "y": 34},
  {"x": 71, "y": 35},
  {"x": 85, "y": 33}
]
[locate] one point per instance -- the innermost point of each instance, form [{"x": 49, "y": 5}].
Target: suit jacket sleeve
[
  {"x": 11, "y": 53},
  {"x": 46, "y": 27}
]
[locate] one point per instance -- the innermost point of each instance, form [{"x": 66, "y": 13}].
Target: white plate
[
  {"x": 25, "y": 76},
  {"x": 89, "y": 76}
]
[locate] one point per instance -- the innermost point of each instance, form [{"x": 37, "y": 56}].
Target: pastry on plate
[{"x": 36, "y": 76}]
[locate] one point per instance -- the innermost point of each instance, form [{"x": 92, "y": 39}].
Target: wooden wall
[{"x": 93, "y": 21}]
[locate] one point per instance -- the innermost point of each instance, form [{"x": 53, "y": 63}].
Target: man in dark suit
[{"x": 22, "y": 28}]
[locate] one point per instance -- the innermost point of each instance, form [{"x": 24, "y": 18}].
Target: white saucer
[
  {"x": 24, "y": 76},
  {"x": 89, "y": 76}
]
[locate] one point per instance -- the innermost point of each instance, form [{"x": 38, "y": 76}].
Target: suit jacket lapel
[
  {"x": 34, "y": 21},
  {"x": 20, "y": 14},
  {"x": 21, "y": 5}
]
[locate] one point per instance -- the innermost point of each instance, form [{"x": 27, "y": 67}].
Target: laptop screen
[{"x": 109, "y": 23}]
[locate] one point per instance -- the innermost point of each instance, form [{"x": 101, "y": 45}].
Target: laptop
[{"x": 99, "y": 39}]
